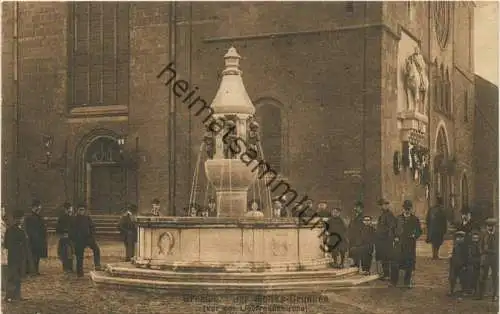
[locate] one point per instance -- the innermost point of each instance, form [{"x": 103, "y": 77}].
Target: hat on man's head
[
  {"x": 35, "y": 203},
  {"x": 407, "y": 204},
  {"x": 491, "y": 222},
  {"x": 382, "y": 201},
  {"x": 81, "y": 205},
  {"x": 359, "y": 204},
  {"x": 155, "y": 201},
  {"x": 459, "y": 234},
  {"x": 67, "y": 205}
]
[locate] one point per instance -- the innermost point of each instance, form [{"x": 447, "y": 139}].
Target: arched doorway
[
  {"x": 101, "y": 179},
  {"x": 464, "y": 192},
  {"x": 442, "y": 180}
]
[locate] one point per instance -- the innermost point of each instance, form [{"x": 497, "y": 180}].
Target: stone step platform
[{"x": 127, "y": 276}]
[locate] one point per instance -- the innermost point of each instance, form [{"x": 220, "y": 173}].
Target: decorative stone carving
[
  {"x": 229, "y": 139},
  {"x": 416, "y": 82},
  {"x": 253, "y": 138},
  {"x": 279, "y": 248},
  {"x": 166, "y": 242},
  {"x": 209, "y": 140},
  {"x": 442, "y": 19}
]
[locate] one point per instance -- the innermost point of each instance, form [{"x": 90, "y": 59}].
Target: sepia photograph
[{"x": 240, "y": 157}]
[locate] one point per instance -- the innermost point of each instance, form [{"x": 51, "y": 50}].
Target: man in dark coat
[
  {"x": 436, "y": 227},
  {"x": 474, "y": 264},
  {"x": 15, "y": 242},
  {"x": 364, "y": 245},
  {"x": 458, "y": 263},
  {"x": 83, "y": 236},
  {"x": 354, "y": 231},
  {"x": 385, "y": 238},
  {"x": 36, "y": 230},
  {"x": 337, "y": 237},
  {"x": 408, "y": 230},
  {"x": 128, "y": 231},
  {"x": 65, "y": 247},
  {"x": 489, "y": 258}
]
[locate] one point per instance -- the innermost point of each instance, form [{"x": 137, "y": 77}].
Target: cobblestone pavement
[{"x": 54, "y": 292}]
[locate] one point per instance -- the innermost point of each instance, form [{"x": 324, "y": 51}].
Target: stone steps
[
  {"x": 129, "y": 271},
  {"x": 170, "y": 282}
]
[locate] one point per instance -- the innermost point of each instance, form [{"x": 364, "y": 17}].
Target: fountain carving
[{"x": 229, "y": 253}]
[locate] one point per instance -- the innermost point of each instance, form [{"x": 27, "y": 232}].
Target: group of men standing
[
  {"x": 25, "y": 243},
  {"x": 393, "y": 240}
]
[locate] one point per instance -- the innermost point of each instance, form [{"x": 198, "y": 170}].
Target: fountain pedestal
[{"x": 231, "y": 179}]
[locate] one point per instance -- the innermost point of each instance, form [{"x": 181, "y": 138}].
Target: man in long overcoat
[
  {"x": 128, "y": 231},
  {"x": 408, "y": 230},
  {"x": 386, "y": 225},
  {"x": 354, "y": 231},
  {"x": 15, "y": 242},
  {"x": 36, "y": 230},
  {"x": 436, "y": 226}
]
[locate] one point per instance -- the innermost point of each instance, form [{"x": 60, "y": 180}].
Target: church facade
[{"x": 355, "y": 100}]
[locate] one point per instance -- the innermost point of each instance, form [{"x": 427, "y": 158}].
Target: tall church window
[
  {"x": 99, "y": 53},
  {"x": 465, "y": 192}
]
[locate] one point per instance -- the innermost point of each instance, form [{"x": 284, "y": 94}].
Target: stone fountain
[{"x": 229, "y": 253}]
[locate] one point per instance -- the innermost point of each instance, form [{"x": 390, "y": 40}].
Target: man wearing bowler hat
[
  {"x": 408, "y": 230},
  {"x": 354, "y": 232},
  {"x": 385, "y": 237}
]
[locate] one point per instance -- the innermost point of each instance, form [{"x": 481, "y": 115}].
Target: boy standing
[
  {"x": 65, "y": 247},
  {"x": 15, "y": 242},
  {"x": 458, "y": 262},
  {"x": 128, "y": 231}
]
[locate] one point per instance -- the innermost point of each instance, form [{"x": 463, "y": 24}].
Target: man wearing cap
[
  {"x": 489, "y": 258},
  {"x": 458, "y": 263},
  {"x": 385, "y": 237},
  {"x": 408, "y": 230},
  {"x": 128, "y": 231},
  {"x": 65, "y": 247},
  {"x": 36, "y": 230},
  {"x": 436, "y": 226},
  {"x": 354, "y": 231}
]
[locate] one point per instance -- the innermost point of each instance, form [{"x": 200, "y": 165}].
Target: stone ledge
[
  {"x": 95, "y": 111},
  {"x": 236, "y": 267},
  {"x": 224, "y": 222}
]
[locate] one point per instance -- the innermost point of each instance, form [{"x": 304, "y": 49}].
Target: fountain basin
[
  {"x": 228, "y": 244},
  {"x": 228, "y": 255}
]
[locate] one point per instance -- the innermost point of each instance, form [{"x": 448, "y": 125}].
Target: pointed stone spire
[{"x": 232, "y": 97}]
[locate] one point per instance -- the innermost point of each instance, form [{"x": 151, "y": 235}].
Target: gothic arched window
[
  {"x": 465, "y": 192},
  {"x": 271, "y": 116},
  {"x": 99, "y": 53},
  {"x": 441, "y": 177}
]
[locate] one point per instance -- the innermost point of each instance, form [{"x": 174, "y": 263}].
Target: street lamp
[{"x": 121, "y": 143}]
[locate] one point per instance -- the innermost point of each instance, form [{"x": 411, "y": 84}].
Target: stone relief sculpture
[
  {"x": 416, "y": 82},
  {"x": 165, "y": 243},
  {"x": 279, "y": 248},
  {"x": 230, "y": 139},
  {"x": 209, "y": 140}
]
